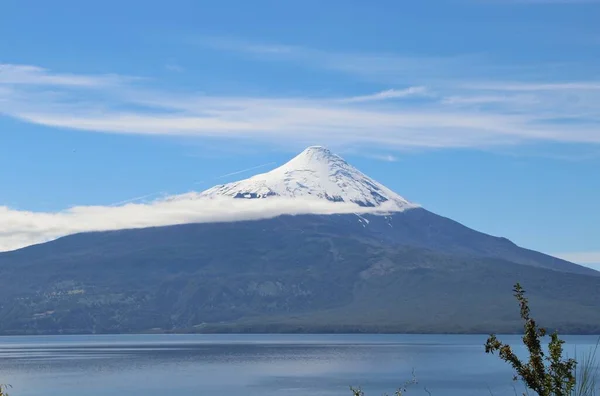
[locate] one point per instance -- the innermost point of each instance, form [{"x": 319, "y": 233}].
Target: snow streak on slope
[{"x": 318, "y": 173}]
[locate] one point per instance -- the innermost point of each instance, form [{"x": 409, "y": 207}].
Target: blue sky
[{"x": 485, "y": 111}]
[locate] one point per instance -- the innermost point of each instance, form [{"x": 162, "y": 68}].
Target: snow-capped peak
[{"x": 315, "y": 172}]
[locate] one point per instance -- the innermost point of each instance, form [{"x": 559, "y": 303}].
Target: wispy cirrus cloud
[
  {"x": 389, "y": 67},
  {"x": 454, "y": 113},
  {"x": 483, "y": 99},
  {"x": 384, "y": 157},
  {"x": 37, "y": 76},
  {"x": 387, "y": 94},
  {"x": 535, "y": 87}
]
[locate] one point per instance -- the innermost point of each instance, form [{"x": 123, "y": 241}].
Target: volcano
[{"x": 384, "y": 265}]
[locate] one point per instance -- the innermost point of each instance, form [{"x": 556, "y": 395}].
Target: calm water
[{"x": 250, "y": 365}]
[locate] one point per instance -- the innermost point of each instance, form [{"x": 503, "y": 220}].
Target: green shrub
[{"x": 546, "y": 375}]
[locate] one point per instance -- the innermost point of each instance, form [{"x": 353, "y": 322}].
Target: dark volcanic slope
[
  {"x": 413, "y": 271},
  {"x": 422, "y": 228}
]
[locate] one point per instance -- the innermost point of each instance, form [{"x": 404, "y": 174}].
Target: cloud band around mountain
[{"x": 24, "y": 228}]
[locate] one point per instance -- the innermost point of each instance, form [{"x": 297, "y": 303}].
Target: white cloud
[
  {"x": 24, "y": 228},
  {"x": 383, "y": 157},
  {"x": 307, "y": 120},
  {"x": 460, "y": 115},
  {"x": 389, "y": 94},
  {"x": 34, "y": 75},
  {"x": 591, "y": 257}
]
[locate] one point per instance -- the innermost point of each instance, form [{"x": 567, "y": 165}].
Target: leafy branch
[{"x": 546, "y": 375}]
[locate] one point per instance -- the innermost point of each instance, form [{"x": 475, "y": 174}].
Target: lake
[{"x": 252, "y": 365}]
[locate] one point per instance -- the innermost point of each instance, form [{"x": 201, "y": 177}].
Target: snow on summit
[{"x": 315, "y": 172}]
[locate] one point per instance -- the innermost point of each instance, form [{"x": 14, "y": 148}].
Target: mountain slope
[
  {"x": 308, "y": 273},
  {"x": 402, "y": 269}
]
